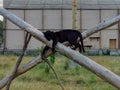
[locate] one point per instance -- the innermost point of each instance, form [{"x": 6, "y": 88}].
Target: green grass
[{"x": 73, "y": 79}]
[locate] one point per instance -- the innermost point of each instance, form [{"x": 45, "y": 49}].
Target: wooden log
[{"x": 99, "y": 70}]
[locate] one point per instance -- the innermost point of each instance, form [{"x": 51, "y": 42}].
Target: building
[{"x": 57, "y": 14}]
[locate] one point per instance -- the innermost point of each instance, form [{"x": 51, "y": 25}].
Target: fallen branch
[{"x": 56, "y": 75}]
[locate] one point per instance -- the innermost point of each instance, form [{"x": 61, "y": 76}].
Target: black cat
[{"x": 68, "y": 35}]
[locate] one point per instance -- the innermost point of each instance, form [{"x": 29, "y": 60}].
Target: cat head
[{"x": 49, "y": 35}]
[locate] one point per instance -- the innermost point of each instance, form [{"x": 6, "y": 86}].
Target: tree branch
[
  {"x": 56, "y": 75},
  {"x": 21, "y": 70},
  {"x": 27, "y": 39}
]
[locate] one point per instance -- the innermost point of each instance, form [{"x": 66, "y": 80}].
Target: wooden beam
[
  {"x": 74, "y": 13},
  {"x": 82, "y": 60},
  {"x": 101, "y": 26}
]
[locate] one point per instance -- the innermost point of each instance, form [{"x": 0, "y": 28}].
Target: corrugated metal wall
[{"x": 62, "y": 19}]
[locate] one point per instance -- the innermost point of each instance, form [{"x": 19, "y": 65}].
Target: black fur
[{"x": 72, "y": 36}]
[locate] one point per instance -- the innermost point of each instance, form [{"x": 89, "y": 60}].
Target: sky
[{"x": 1, "y": 5}]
